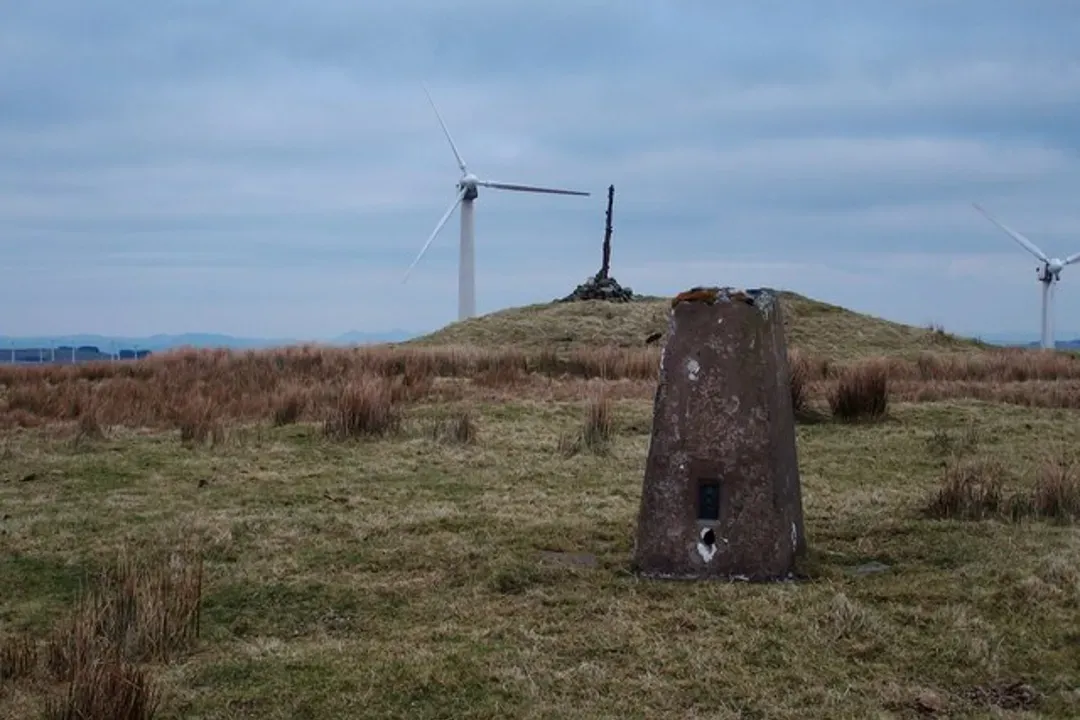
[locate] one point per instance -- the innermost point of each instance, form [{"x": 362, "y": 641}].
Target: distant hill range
[
  {"x": 1059, "y": 344},
  {"x": 1027, "y": 340},
  {"x": 91, "y": 348}
]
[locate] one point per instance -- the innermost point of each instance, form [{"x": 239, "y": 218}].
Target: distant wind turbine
[
  {"x": 1049, "y": 273},
  {"x": 466, "y": 196}
]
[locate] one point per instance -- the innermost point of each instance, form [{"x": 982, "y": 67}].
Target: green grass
[
  {"x": 810, "y": 325},
  {"x": 406, "y": 577}
]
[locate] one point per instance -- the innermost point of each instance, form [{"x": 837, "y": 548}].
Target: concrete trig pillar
[{"x": 721, "y": 496}]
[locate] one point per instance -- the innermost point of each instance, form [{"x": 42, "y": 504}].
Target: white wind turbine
[
  {"x": 466, "y": 196},
  {"x": 1049, "y": 273}
]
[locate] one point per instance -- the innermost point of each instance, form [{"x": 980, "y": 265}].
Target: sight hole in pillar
[{"x": 708, "y": 505}]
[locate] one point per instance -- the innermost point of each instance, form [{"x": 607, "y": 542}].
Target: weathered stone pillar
[{"x": 721, "y": 496}]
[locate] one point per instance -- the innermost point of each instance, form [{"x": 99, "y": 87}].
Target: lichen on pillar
[{"x": 721, "y": 496}]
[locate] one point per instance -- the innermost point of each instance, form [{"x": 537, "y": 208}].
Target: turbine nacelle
[{"x": 468, "y": 185}]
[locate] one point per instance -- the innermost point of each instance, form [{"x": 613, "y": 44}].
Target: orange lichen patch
[
  {"x": 711, "y": 295},
  {"x": 697, "y": 294}
]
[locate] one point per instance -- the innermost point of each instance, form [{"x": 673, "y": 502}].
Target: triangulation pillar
[{"x": 721, "y": 497}]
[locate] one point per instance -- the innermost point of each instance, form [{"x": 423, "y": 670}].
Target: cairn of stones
[{"x": 602, "y": 286}]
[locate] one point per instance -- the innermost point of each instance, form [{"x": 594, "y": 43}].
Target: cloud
[{"x": 276, "y": 167}]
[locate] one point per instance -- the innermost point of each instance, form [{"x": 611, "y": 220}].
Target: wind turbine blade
[
  {"x": 1028, "y": 245},
  {"x": 460, "y": 162},
  {"x": 445, "y": 217},
  {"x": 529, "y": 188},
  {"x": 1071, "y": 259}
]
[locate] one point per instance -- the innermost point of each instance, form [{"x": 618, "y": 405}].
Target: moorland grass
[{"x": 446, "y": 532}]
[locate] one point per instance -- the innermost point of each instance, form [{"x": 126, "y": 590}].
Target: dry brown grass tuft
[
  {"x": 456, "y": 428},
  {"x": 970, "y": 490},
  {"x": 799, "y": 372},
  {"x": 106, "y": 691},
  {"x": 975, "y": 489},
  {"x": 1057, "y": 491},
  {"x": 198, "y": 422},
  {"x": 90, "y": 428},
  {"x": 570, "y": 444},
  {"x": 134, "y": 613},
  {"x": 597, "y": 427},
  {"x": 289, "y": 405},
  {"x": 861, "y": 392},
  {"x": 599, "y": 422},
  {"x": 18, "y": 658},
  {"x": 365, "y": 408}
]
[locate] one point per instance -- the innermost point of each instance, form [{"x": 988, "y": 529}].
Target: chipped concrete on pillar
[{"x": 721, "y": 495}]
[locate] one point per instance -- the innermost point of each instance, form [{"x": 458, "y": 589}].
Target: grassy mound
[{"x": 811, "y": 325}]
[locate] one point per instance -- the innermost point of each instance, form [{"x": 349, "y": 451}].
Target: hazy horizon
[
  {"x": 388, "y": 335},
  {"x": 271, "y": 170}
]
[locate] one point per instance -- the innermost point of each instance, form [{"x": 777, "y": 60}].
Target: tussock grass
[
  {"x": 199, "y": 392},
  {"x": 198, "y": 421},
  {"x": 106, "y": 691},
  {"x": 134, "y": 613},
  {"x": 799, "y": 372},
  {"x": 18, "y": 658},
  {"x": 289, "y": 405},
  {"x": 599, "y": 424},
  {"x": 458, "y": 427},
  {"x": 89, "y": 427},
  {"x": 365, "y": 408},
  {"x": 1057, "y": 491},
  {"x": 970, "y": 490},
  {"x": 861, "y": 393},
  {"x": 596, "y": 430},
  {"x": 983, "y": 488}
]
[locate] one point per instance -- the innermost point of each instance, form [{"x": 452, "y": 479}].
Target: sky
[{"x": 272, "y": 169}]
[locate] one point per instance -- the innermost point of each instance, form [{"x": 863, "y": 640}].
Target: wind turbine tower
[
  {"x": 467, "y": 192},
  {"x": 1049, "y": 273}
]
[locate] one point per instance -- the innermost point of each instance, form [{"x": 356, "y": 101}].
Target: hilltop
[{"x": 810, "y": 324}]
